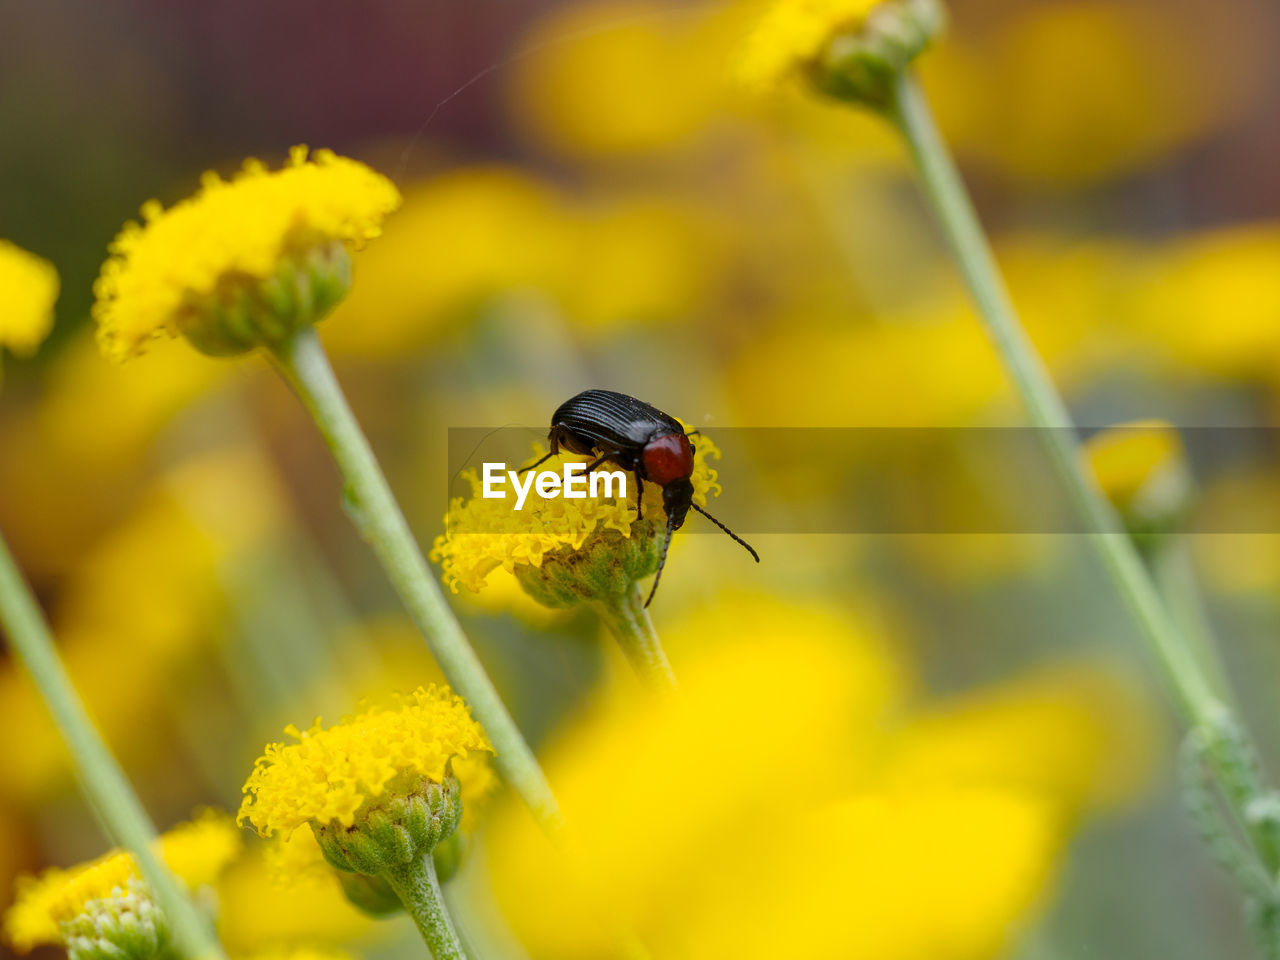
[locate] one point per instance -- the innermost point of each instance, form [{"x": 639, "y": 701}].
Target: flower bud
[
  {"x": 125, "y": 927},
  {"x": 852, "y": 50},
  {"x": 1141, "y": 468},
  {"x": 862, "y": 63},
  {"x": 401, "y": 825},
  {"x": 373, "y": 895},
  {"x": 606, "y": 566},
  {"x": 245, "y": 312}
]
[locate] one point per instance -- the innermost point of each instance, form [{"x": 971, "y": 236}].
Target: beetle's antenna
[
  {"x": 662, "y": 560},
  {"x": 750, "y": 550}
]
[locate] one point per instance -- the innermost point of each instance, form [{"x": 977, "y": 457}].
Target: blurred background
[{"x": 591, "y": 200}]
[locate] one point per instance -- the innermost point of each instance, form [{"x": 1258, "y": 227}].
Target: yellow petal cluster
[
  {"x": 329, "y": 773},
  {"x": 227, "y": 232},
  {"x": 28, "y": 289},
  {"x": 791, "y": 33},
  {"x": 482, "y": 534},
  {"x": 197, "y": 852}
]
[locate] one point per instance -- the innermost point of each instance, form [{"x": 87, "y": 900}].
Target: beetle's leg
[
  {"x": 554, "y": 439},
  {"x": 639, "y": 496},
  {"x": 595, "y": 463},
  {"x": 538, "y": 464},
  {"x": 694, "y": 433}
]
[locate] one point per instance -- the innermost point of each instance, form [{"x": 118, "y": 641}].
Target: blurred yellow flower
[
  {"x": 792, "y": 33},
  {"x": 1077, "y": 92},
  {"x": 461, "y": 238},
  {"x": 792, "y": 773},
  {"x": 29, "y": 286},
  {"x": 1141, "y": 467},
  {"x": 1212, "y": 300},
  {"x": 620, "y": 78},
  {"x": 198, "y": 268},
  {"x": 164, "y": 619},
  {"x": 1078, "y": 735},
  {"x": 260, "y": 906},
  {"x": 196, "y": 852},
  {"x": 482, "y": 534},
  {"x": 327, "y": 775}
]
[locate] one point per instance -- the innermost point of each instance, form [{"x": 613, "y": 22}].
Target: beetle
[{"x": 640, "y": 438}]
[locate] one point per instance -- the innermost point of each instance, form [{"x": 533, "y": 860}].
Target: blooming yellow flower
[
  {"x": 28, "y": 288},
  {"x": 328, "y": 774},
  {"x": 482, "y": 534},
  {"x": 266, "y": 249},
  {"x": 792, "y": 33},
  {"x": 196, "y": 852}
]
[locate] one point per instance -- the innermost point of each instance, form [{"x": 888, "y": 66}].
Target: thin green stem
[
  {"x": 1173, "y": 570},
  {"x": 418, "y": 888},
  {"x": 628, "y": 620},
  {"x": 1195, "y": 698},
  {"x": 303, "y": 363},
  {"x": 101, "y": 778}
]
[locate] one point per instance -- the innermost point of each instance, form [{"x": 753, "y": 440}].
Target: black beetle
[{"x": 619, "y": 429}]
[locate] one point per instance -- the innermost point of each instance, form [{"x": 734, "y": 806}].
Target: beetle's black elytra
[{"x": 652, "y": 445}]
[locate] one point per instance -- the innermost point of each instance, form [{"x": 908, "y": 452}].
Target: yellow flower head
[
  {"x": 29, "y": 287},
  {"x": 482, "y": 534},
  {"x": 265, "y": 250},
  {"x": 791, "y": 34},
  {"x": 327, "y": 775},
  {"x": 196, "y": 852},
  {"x": 1141, "y": 468}
]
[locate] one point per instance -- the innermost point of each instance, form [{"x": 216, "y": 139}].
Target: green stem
[
  {"x": 628, "y": 620},
  {"x": 419, "y": 890},
  {"x": 946, "y": 193},
  {"x": 303, "y": 363},
  {"x": 1173, "y": 570},
  {"x": 101, "y": 778}
]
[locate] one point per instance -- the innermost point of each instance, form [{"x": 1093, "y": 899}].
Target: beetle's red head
[{"x": 667, "y": 459}]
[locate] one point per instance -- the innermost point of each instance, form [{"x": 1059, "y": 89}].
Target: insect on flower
[{"x": 619, "y": 429}]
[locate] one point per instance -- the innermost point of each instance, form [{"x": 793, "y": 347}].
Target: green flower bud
[
  {"x": 373, "y": 895},
  {"x": 861, "y": 64},
  {"x": 125, "y": 927},
  {"x": 247, "y": 312},
  {"x": 400, "y": 826},
  {"x": 605, "y": 567}
]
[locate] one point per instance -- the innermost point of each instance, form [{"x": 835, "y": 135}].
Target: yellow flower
[
  {"x": 29, "y": 287},
  {"x": 1212, "y": 302},
  {"x": 196, "y": 852},
  {"x": 261, "y": 907},
  {"x": 1125, "y": 459},
  {"x": 478, "y": 232},
  {"x": 1075, "y": 94},
  {"x": 791, "y": 34},
  {"x": 327, "y": 775},
  {"x": 791, "y": 782},
  {"x": 620, "y": 78},
  {"x": 242, "y": 261},
  {"x": 482, "y": 534}
]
